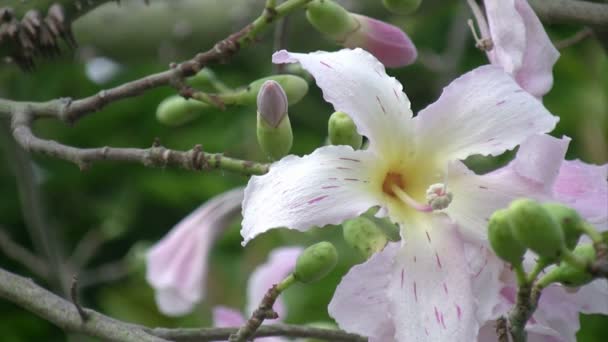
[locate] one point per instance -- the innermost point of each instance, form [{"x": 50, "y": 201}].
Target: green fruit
[
  {"x": 331, "y": 19},
  {"x": 502, "y": 240},
  {"x": 534, "y": 227},
  {"x": 570, "y": 222},
  {"x": 363, "y": 235},
  {"x": 572, "y": 276},
  {"x": 316, "y": 262},
  {"x": 343, "y": 131},
  {"x": 402, "y": 6},
  {"x": 176, "y": 110},
  {"x": 275, "y": 141}
]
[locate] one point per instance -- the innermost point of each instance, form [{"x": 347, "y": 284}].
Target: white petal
[
  {"x": 508, "y": 34},
  {"x": 281, "y": 262},
  {"x": 356, "y": 83},
  {"x": 225, "y": 317},
  {"x": 431, "y": 293},
  {"x": 171, "y": 302},
  {"x": 482, "y": 112},
  {"x": 485, "y": 270},
  {"x": 325, "y": 187},
  {"x": 540, "y": 157},
  {"x": 360, "y": 304}
]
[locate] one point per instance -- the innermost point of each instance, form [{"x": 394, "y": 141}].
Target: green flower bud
[
  {"x": 316, "y": 262},
  {"x": 570, "y": 222},
  {"x": 363, "y": 235},
  {"x": 295, "y": 88},
  {"x": 570, "y": 275},
  {"x": 402, "y": 6},
  {"x": 176, "y": 110},
  {"x": 534, "y": 227},
  {"x": 331, "y": 19},
  {"x": 342, "y": 131},
  {"x": 502, "y": 240},
  {"x": 273, "y": 126}
]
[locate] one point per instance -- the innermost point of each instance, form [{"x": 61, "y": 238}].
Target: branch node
[{"x": 84, "y": 316}]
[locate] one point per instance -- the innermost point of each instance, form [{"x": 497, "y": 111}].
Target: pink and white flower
[
  {"x": 177, "y": 264},
  {"x": 520, "y": 44},
  {"x": 281, "y": 263},
  {"x": 424, "y": 290}
]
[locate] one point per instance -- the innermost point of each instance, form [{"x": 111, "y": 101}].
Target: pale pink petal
[
  {"x": 531, "y": 174},
  {"x": 225, "y": 317},
  {"x": 584, "y": 187},
  {"x": 386, "y": 42},
  {"x": 355, "y": 82},
  {"x": 360, "y": 304},
  {"x": 521, "y": 45},
  {"x": 431, "y": 290},
  {"x": 280, "y": 264},
  {"x": 485, "y": 270},
  {"x": 482, "y": 112},
  {"x": 326, "y": 187},
  {"x": 177, "y": 264}
]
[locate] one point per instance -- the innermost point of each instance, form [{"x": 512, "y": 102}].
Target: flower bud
[
  {"x": 316, "y": 262},
  {"x": 342, "y": 131},
  {"x": 330, "y": 19},
  {"x": 273, "y": 126},
  {"x": 176, "y": 110},
  {"x": 295, "y": 88},
  {"x": 402, "y": 6},
  {"x": 534, "y": 227},
  {"x": 569, "y": 220},
  {"x": 363, "y": 235},
  {"x": 572, "y": 276},
  {"x": 501, "y": 238}
]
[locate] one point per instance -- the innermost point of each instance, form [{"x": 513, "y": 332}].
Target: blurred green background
[{"x": 123, "y": 205}]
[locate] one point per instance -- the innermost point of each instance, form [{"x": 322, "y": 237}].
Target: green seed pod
[
  {"x": 363, "y": 235},
  {"x": 402, "y": 6},
  {"x": 316, "y": 262},
  {"x": 572, "y": 276},
  {"x": 295, "y": 88},
  {"x": 570, "y": 222},
  {"x": 502, "y": 240},
  {"x": 331, "y": 19},
  {"x": 342, "y": 131},
  {"x": 534, "y": 227},
  {"x": 176, "y": 110},
  {"x": 273, "y": 126}
]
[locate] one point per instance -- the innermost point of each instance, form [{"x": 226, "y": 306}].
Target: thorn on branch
[{"x": 84, "y": 316}]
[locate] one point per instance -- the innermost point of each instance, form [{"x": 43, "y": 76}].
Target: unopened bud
[
  {"x": 534, "y": 227},
  {"x": 316, "y": 262},
  {"x": 501, "y": 238},
  {"x": 273, "y": 127},
  {"x": 176, "y": 110},
  {"x": 570, "y": 275},
  {"x": 402, "y": 6},
  {"x": 343, "y": 131},
  {"x": 295, "y": 88},
  {"x": 363, "y": 235},
  {"x": 330, "y": 19},
  {"x": 569, "y": 220}
]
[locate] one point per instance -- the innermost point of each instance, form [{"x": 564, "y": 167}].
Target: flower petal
[
  {"x": 365, "y": 286},
  {"x": 355, "y": 82},
  {"x": 325, "y": 187},
  {"x": 431, "y": 291},
  {"x": 485, "y": 270},
  {"x": 225, "y": 317},
  {"x": 584, "y": 187},
  {"x": 521, "y": 45},
  {"x": 177, "y": 264},
  {"x": 531, "y": 174},
  {"x": 281, "y": 262},
  {"x": 482, "y": 112}
]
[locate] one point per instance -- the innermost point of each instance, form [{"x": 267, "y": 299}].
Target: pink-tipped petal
[
  {"x": 585, "y": 188},
  {"x": 225, "y": 317},
  {"x": 280, "y": 264},
  {"x": 177, "y": 264},
  {"x": 326, "y": 187},
  {"x": 354, "y": 82},
  {"x": 388, "y": 43},
  {"x": 482, "y": 112}
]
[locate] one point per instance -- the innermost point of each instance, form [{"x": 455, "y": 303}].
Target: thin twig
[
  {"x": 86, "y": 249},
  {"x": 575, "y": 38},
  {"x": 74, "y": 295},
  {"x": 106, "y": 273},
  {"x": 262, "y": 312},
  {"x": 571, "y": 12},
  {"x": 20, "y": 254}
]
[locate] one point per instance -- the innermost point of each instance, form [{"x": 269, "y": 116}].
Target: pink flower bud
[
  {"x": 386, "y": 42},
  {"x": 272, "y": 103}
]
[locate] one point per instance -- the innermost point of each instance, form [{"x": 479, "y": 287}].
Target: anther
[{"x": 438, "y": 197}]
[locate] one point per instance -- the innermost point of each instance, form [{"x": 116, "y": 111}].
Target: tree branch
[
  {"x": 28, "y": 295},
  {"x": 21, "y": 255},
  {"x": 570, "y": 11}
]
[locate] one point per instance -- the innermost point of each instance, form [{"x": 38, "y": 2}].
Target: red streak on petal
[
  {"x": 317, "y": 199},
  {"x": 458, "y": 312},
  {"x": 445, "y": 288},
  {"x": 437, "y": 315},
  {"x": 380, "y": 103},
  {"x": 438, "y": 261},
  {"x": 415, "y": 293},
  {"x": 330, "y": 187},
  {"x": 327, "y": 65},
  {"x": 351, "y": 159},
  {"x": 428, "y": 237},
  {"x": 402, "y": 272}
]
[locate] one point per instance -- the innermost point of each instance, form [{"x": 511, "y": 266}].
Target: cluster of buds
[{"x": 34, "y": 35}]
